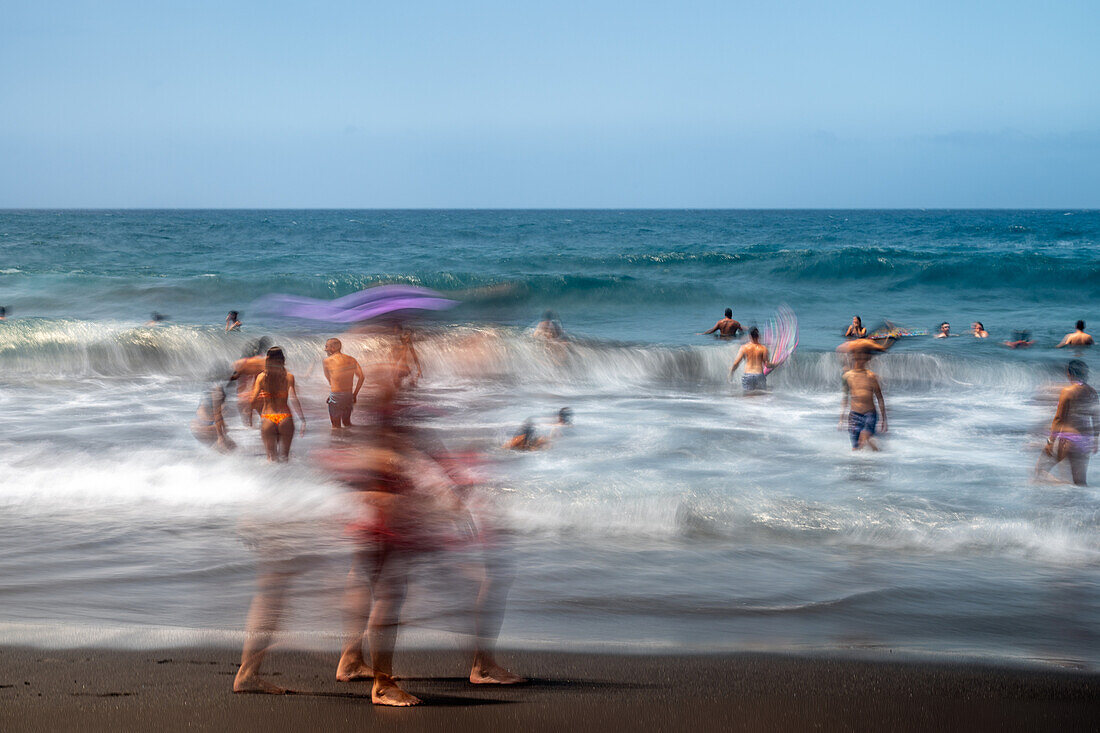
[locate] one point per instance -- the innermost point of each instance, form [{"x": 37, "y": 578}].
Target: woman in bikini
[
  {"x": 856, "y": 330},
  {"x": 272, "y": 394}
]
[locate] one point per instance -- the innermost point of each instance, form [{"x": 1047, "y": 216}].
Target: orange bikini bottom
[{"x": 277, "y": 417}]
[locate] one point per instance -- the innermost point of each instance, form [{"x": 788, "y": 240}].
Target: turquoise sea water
[{"x": 676, "y": 512}]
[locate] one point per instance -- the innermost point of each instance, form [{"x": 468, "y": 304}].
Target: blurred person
[
  {"x": 1075, "y": 429},
  {"x": 274, "y": 392},
  {"x": 156, "y": 319},
  {"x": 977, "y": 330},
  {"x": 549, "y": 328},
  {"x": 245, "y": 371},
  {"x": 404, "y": 358},
  {"x": 232, "y": 322},
  {"x": 755, "y": 356},
  {"x": 1021, "y": 339},
  {"x": 945, "y": 331},
  {"x": 3, "y": 313},
  {"x": 526, "y": 438},
  {"x": 341, "y": 371},
  {"x": 856, "y": 330},
  {"x": 727, "y": 328},
  {"x": 208, "y": 426},
  {"x": 861, "y": 389},
  {"x": 1077, "y": 338}
]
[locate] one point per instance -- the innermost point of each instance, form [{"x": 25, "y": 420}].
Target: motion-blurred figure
[
  {"x": 1021, "y": 339},
  {"x": 208, "y": 427},
  {"x": 755, "y": 356},
  {"x": 274, "y": 391},
  {"x": 245, "y": 371},
  {"x": 1077, "y": 338},
  {"x": 341, "y": 371},
  {"x": 549, "y": 328},
  {"x": 727, "y": 328},
  {"x": 977, "y": 330},
  {"x": 526, "y": 438},
  {"x": 3, "y": 313},
  {"x": 232, "y": 322},
  {"x": 404, "y": 358},
  {"x": 861, "y": 389},
  {"x": 1075, "y": 428},
  {"x": 856, "y": 330}
]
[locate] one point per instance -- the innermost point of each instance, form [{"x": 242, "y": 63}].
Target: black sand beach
[{"x": 180, "y": 689}]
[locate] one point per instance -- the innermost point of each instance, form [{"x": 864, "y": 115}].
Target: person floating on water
[
  {"x": 208, "y": 427},
  {"x": 945, "y": 331},
  {"x": 755, "y": 356},
  {"x": 272, "y": 394},
  {"x": 1077, "y": 338},
  {"x": 549, "y": 328},
  {"x": 1021, "y": 339},
  {"x": 341, "y": 371},
  {"x": 1075, "y": 430},
  {"x": 861, "y": 389},
  {"x": 727, "y": 328},
  {"x": 856, "y": 330},
  {"x": 232, "y": 322},
  {"x": 977, "y": 330}
]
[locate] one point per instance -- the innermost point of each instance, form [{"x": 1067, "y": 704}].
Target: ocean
[{"x": 675, "y": 514}]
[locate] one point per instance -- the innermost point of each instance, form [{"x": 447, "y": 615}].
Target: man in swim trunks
[
  {"x": 1077, "y": 338},
  {"x": 755, "y": 356},
  {"x": 861, "y": 389},
  {"x": 1075, "y": 430},
  {"x": 341, "y": 371},
  {"x": 727, "y": 328}
]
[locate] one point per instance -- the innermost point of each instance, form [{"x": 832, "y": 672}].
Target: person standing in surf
[
  {"x": 341, "y": 371},
  {"x": 861, "y": 389},
  {"x": 727, "y": 328},
  {"x": 1075, "y": 430},
  {"x": 1077, "y": 338},
  {"x": 274, "y": 391},
  {"x": 755, "y": 356}
]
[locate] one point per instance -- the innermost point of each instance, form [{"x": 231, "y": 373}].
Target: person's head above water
[
  {"x": 548, "y": 316},
  {"x": 232, "y": 316},
  {"x": 333, "y": 346},
  {"x": 729, "y": 312},
  {"x": 258, "y": 347},
  {"x": 945, "y": 326},
  {"x": 565, "y": 416},
  {"x": 857, "y": 321},
  {"x": 1080, "y": 325},
  {"x": 1077, "y": 371},
  {"x": 754, "y": 334}
]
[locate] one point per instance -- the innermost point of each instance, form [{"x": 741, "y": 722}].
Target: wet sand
[{"x": 190, "y": 688}]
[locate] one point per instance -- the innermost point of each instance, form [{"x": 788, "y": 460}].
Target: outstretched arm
[
  {"x": 705, "y": 333},
  {"x": 1064, "y": 342}
]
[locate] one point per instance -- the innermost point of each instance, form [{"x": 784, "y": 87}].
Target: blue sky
[{"x": 567, "y": 104}]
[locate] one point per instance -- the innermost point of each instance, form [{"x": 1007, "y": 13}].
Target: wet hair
[
  {"x": 257, "y": 347},
  {"x": 1077, "y": 370},
  {"x": 158, "y": 317},
  {"x": 233, "y": 315},
  {"x": 548, "y": 316},
  {"x": 1080, "y": 325},
  {"x": 754, "y": 332},
  {"x": 275, "y": 370},
  {"x": 565, "y": 415},
  {"x": 526, "y": 431},
  {"x": 979, "y": 325},
  {"x": 729, "y": 313},
  {"x": 945, "y": 323},
  {"x": 3, "y": 310},
  {"x": 339, "y": 344},
  {"x": 858, "y": 320},
  {"x": 1021, "y": 335}
]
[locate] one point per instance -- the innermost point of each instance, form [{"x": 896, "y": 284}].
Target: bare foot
[
  {"x": 386, "y": 692},
  {"x": 354, "y": 671},
  {"x": 257, "y": 686},
  {"x": 494, "y": 674}
]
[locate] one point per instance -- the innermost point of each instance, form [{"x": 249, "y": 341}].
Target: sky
[{"x": 512, "y": 104}]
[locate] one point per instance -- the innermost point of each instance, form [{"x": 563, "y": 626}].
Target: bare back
[
  {"x": 755, "y": 355},
  {"x": 340, "y": 371}
]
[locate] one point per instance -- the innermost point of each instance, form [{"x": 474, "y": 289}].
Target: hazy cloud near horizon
[{"x": 598, "y": 104}]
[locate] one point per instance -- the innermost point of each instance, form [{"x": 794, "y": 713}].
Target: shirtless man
[
  {"x": 1077, "y": 338},
  {"x": 340, "y": 371},
  {"x": 727, "y": 328},
  {"x": 861, "y": 389},
  {"x": 245, "y": 371},
  {"x": 549, "y": 328},
  {"x": 755, "y": 356},
  {"x": 1075, "y": 430},
  {"x": 944, "y": 332}
]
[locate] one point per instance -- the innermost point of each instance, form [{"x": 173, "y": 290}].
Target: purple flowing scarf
[{"x": 360, "y": 306}]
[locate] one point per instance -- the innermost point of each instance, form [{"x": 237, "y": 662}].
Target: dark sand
[{"x": 178, "y": 689}]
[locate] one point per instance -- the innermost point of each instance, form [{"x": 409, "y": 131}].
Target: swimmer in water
[
  {"x": 727, "y": 328},
  {"x": 208, "y": 427},
  {"x": 273, "y": 394},
  {"x": 977, "y": 330},
  {"x": 549, "y": 328},
  {"x": 856, "y": 330},
  {"x": 861, "y": 389},
  {"x": 232, "y": 322},
  {"x": 1021, "y": 339},
  {"x": 156, "y": 319},
  {"x": 1075, "y": 430},
  {"x": 3, "y": 313},
  {"x": 1077, "y": 338},
  {"x": 755, "y": 356},
  {"x": 526, "y": 438},
  {"x": 945, "y": 331}
]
